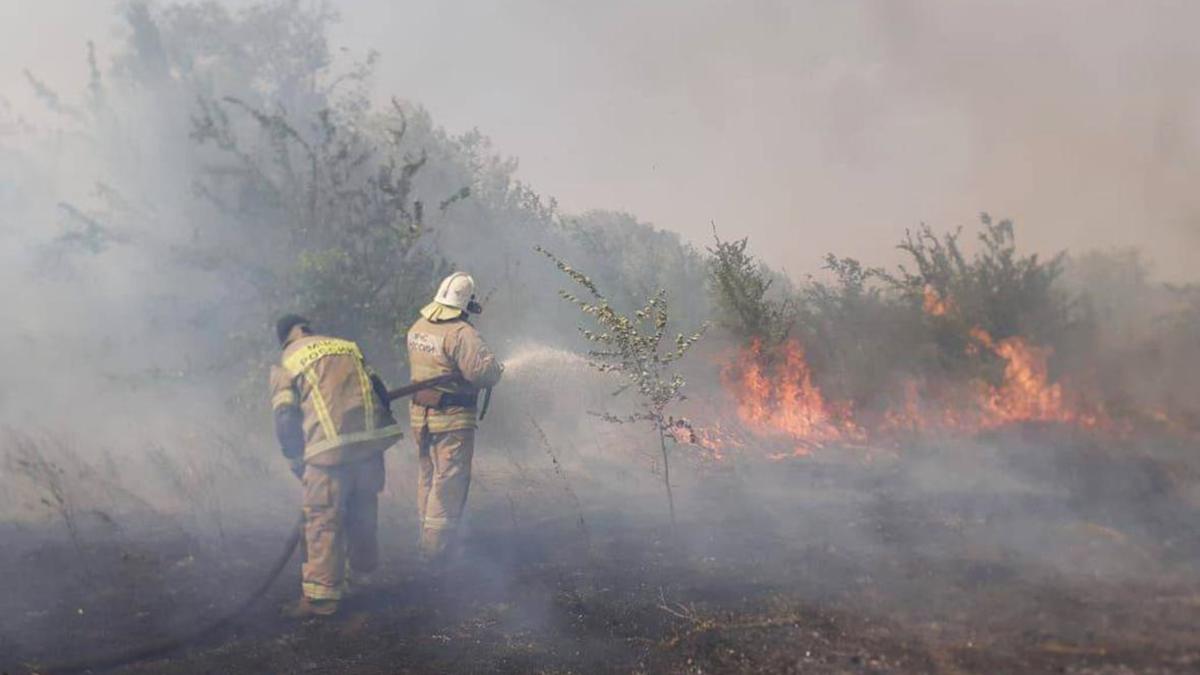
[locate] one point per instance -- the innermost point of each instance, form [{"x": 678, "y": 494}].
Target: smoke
[
  {"x": 1079, "y": 120},
  {"x": 143, "y": 263},
  {"x": 816, "y": 128},
  {"x": 820, "y": 127}
]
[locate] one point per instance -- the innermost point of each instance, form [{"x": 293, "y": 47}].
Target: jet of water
[{"x": 537, "y": 357}]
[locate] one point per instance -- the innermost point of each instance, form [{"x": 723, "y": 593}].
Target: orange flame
[
  {"x": 712, "y": 441},
  {"x": 934, "y": 304},
  {"x": 1026, "y": 393},
  {"x": 775, "y": 394},
  {"x": 776, "y": 397}
]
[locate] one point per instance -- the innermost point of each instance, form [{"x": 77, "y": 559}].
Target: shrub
[{"x": 631, "y": 347}]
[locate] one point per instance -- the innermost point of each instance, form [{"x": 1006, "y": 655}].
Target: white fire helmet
[{"x": 457, "y": 291}]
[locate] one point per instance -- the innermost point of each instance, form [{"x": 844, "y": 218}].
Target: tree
[
  {"x": 632, "y": 348},
  {"x": 343, "y": 197},
  {"x": 740, "y": 285},
  {"x": 997, "y": 289}
]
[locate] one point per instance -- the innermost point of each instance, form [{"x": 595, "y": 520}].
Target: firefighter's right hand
[{"x": 297, "y": 466}]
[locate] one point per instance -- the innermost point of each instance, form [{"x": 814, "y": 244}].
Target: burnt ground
[{"x": 1012, "y": 554}]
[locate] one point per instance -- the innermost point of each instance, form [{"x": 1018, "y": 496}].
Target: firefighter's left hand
[{"x": 297, "y": 467}]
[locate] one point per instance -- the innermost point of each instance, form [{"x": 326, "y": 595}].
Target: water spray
[{"x": 541, "y": 356}]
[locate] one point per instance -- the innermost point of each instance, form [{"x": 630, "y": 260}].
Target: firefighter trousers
[
  {"x": 341, "y": 509},
  {"x": 443, "y": 482}
]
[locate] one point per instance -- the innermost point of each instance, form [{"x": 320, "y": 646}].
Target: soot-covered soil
[{"x": 1084, "y": 561}]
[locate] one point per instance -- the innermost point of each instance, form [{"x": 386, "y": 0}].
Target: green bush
[
  {"x": 868, "y": 330},
  {"x": 740, "y": 287}
]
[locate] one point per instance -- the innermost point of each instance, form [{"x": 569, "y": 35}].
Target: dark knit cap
[{"x": 286, "y": 323}]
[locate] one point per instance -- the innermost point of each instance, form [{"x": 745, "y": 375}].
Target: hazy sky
[{"x": 810, "y": 126}]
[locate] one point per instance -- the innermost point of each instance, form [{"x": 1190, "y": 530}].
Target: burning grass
[
  {"x": 955, "y": 347},
  {"x": 775, "y": 394}
]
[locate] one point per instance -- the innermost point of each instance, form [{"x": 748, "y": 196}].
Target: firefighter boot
[{"x": 307, "y": 608}]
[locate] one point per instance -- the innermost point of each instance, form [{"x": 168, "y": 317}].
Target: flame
[
  {"x": 775, "y": 395},
  {"x": 1026, "y": 393},
  {"x": 914, "y": 415},
  {"x": 934, "y": 304},
  {"x": 713, "y": 441}
]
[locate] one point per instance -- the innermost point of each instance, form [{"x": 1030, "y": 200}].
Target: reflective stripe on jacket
[
  {"x": 442, "y": 348},
  {"x": 330, "y": 382}
]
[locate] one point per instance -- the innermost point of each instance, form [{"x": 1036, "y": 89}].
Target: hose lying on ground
[{"x": 152, "y": 649}]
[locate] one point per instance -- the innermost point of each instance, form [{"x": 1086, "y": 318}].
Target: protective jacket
[
  {"x": 343, "y": 416},
  {"x": 450, "y": 347}
]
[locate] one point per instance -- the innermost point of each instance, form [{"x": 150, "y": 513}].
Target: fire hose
[{"x": 170, "y": 644}]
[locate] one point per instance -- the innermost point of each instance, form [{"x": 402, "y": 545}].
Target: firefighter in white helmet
[{"x": 442, "y": 342}]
